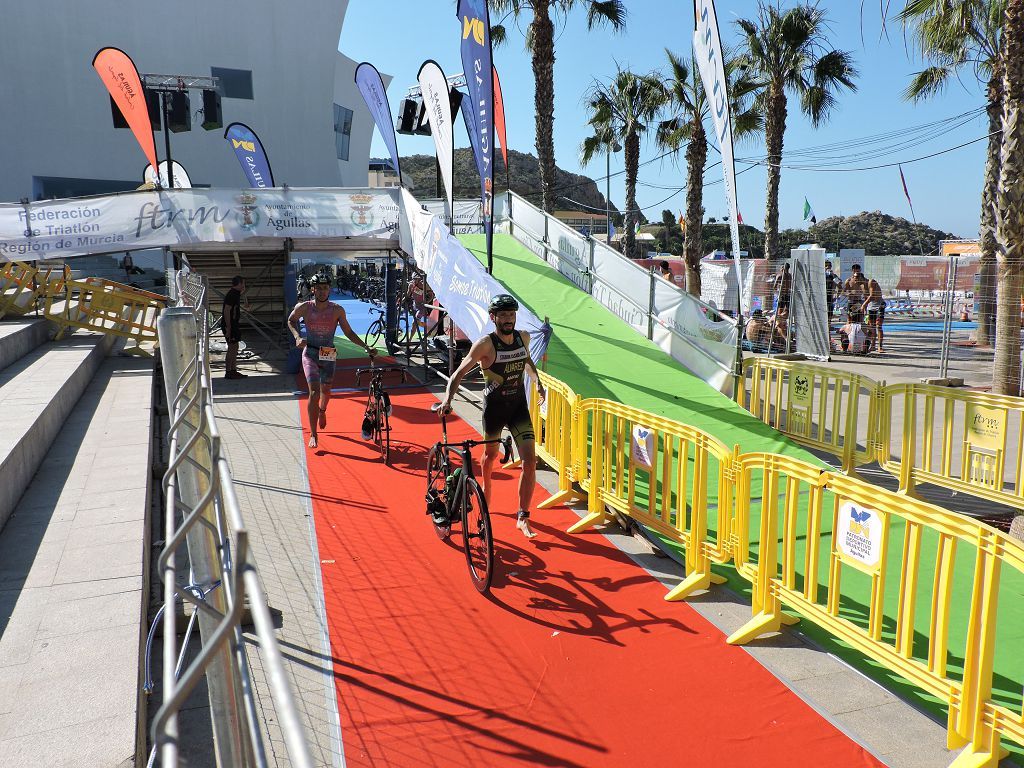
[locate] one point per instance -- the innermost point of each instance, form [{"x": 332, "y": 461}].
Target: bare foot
[
  {"x": 323, "y": 418},
  {"x": 312, "y": 440},
  {"x": 523, "y": 524}
]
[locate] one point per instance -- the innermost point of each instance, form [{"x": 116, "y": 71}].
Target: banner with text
[
  {"x": 460, "y": 283},
  {"x": 478, "y": 67},
  {"x": 120, "y": 77},
  {"x": 707, "y": 49},
  {"x": 251, "y": 155},
  {"x": 437, "y": 101},
  {"x": 371, "y": 86},
  {"x": 53, "y": 229}
]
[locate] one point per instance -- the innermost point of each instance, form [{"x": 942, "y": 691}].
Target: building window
[
  {"x": 234, "y": 83},
  {"x": 342, "y": 130}
]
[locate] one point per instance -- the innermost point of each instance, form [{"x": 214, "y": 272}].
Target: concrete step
[
  {"x": 19, "y": 336},
  {"x": 37, "y": 394},
  {"x": 73, "y": 571}
]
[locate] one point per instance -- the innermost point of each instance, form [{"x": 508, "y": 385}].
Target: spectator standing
[
  {"x": 832, "y": 287},
  {"x": 874, "y": 305},
  {"x": 231, "y": 314},
  {"x": 856, "y": 291},
  {"x": 666, "y": 272},
  {"x": 783, "y": 285}
]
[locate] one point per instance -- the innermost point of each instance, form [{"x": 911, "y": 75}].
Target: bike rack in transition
[{"x": 198, "y": 484}]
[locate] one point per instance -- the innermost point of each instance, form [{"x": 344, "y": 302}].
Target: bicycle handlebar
[
  {"x": 375, "y": 370},
  {"x": 505, "y": 442}
]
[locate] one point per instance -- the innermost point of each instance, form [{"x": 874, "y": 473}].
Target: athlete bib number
[{"x": 328, "y": 354}]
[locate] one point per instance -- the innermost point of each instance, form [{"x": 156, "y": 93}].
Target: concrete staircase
[{"x": 75, "y": 485}]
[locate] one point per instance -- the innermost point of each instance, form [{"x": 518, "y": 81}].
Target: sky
[{"x": 945, "y": 189}]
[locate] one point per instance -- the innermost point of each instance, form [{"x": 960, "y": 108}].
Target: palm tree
[
  {"x": 686, "y": 126},
  {"x": 623, "y": 110},
  {"x": 540, "y": 41},
  {"x": 787, "y": 52},
  {"x": 1009, "y": 207},
  {"x": 953, "y": 36}
]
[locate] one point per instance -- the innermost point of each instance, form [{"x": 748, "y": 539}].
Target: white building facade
[{"x": 280, "y": 71}]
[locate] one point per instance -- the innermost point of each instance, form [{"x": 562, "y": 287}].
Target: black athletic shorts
[
  {"x": 876, "y": 314},
  {"x": 501, "y": 412}
]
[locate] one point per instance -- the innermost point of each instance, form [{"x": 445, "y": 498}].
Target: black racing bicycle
[
  {"x": 376, "y": 424},
  {"x": 376, "y": 329},
  {"x": 454, "y": 495}
]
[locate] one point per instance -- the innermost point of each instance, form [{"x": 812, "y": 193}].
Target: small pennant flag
[
  {"x": 636, "y": 228},
  {"x": 809, "y": 212},
  {"x": 682, "y": 221},
  {"x": 611, "y": 229},
  {"x": 905, "y": 190},
  {"x": 739, "y": 217}
]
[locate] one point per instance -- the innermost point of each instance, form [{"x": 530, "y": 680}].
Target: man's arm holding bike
[
  {"x": 529, "y": 361},
  {"x": 293, "y": 323},
  {"x": 476, "y": 355}
]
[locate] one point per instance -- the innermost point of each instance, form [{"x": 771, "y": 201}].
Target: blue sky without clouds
[{"x": 945, "y": 189}]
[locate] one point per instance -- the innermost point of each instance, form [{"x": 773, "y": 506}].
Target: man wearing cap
[
  {"x": 504, "y": 356},
  {"x": 319, "y": 355}
]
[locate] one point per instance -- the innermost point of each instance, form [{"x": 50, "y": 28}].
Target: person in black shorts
[
  {"x": 231, "y": 313},
  {"x": 504, "y": 356}
]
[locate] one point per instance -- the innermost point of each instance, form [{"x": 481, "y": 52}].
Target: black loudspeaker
[
  {"x": 152, "y": 105},
  {"x": 212, "y": 114},
  {"x": 423, "y": 122},
  {"x": 179, "y": 116},
  {"x": 408, "y": 111},
  {"x": 455, "y": 98}
]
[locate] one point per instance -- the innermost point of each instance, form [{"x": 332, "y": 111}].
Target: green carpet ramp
[{"x": 599, "y": 355}]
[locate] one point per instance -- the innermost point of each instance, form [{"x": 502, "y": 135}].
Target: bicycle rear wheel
[
  {"x": 437, "y": 476},
  {"x": 476, "y": 537}
]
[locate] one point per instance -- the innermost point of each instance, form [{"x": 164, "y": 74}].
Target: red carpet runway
[{"x": 573, "y": 660}]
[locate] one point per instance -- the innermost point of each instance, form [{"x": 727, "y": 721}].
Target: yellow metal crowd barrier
[
  {"x": 106, "y": 307},
  {"x": 987, "y": 429},
  {"x": 657, "y": 472},
  {"x": 553, "y": 429},
  {"x": 19, "y": 287},
  {"x": 821, "y": 408},
  {"x": 881, "y": 538}
]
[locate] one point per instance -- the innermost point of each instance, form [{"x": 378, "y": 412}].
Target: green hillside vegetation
[
  {"x": 575, "y": 192},
  {"x": 876, "y": 232}
]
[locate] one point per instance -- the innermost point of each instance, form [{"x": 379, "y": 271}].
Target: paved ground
[{"x": 260, "y": 421}]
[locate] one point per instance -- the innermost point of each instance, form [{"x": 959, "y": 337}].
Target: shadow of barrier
[
  {"x": 970, "y": 442},
  {"x": 822, "y": 408}
]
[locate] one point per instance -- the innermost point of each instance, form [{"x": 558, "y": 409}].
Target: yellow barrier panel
[
  {"x": 823, "y": 408},
  {"x": 553, "y": 428},
  {"x": 19, "y": 287},
  {"x": 878, "y": 536},
  {"x": 657, "y": 471},
  {"x": 988, "y": 430},
  {"x": 109, "y": 308}
]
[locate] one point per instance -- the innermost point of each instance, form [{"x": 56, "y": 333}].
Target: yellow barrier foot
[
  {"x": 762, "y": 624},
  {"x": 588, "y": 522},
  {"x": 562, "y": 497},
  {"x": 971, "y": 759},
  {"x": 789, "y": 621},
  {"x": 693, "y": 583}
]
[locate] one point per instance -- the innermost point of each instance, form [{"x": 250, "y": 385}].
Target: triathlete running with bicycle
[
  {"x": 503, "y": 356},
  {"x": 319, "y": 355}
]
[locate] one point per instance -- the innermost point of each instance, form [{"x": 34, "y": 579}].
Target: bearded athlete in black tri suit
[{"x": 504, "y": 356}]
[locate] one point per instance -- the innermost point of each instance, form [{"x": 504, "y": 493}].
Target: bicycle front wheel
[
  {"x": 437, "y": 476},
  {"x": 476, "y": 536},
  {"x": 384, "y": 429}
]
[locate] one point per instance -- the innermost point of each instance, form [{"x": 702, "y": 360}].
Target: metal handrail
[{"x": 198, "y": 486}]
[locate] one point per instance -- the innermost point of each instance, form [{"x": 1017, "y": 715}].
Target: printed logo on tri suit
[{"x": 505, "y": 376}]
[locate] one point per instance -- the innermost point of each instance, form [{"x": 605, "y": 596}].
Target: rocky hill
[
  {"x": 876, "y": 232},
  {"x": 524, "y": 176}
]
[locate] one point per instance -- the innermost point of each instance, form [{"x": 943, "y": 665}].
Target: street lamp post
[{"x": 613, "y": 146}]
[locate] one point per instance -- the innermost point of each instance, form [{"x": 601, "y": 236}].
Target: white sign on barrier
[
  {"x": 643, "y": 446},
  {"x": 859, "y": 535}
]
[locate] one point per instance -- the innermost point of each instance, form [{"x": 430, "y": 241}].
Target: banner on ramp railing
[{"x": 460, "y": 282}]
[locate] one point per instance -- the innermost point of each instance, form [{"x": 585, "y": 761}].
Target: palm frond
[{"x": 927, "y": 83}]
